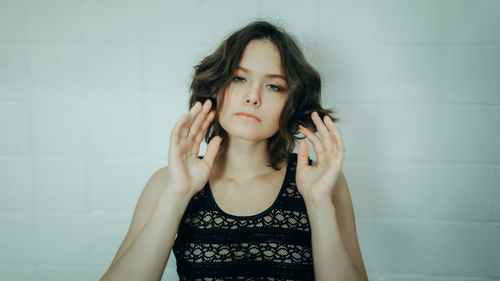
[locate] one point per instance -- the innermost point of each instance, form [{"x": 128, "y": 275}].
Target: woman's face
[{"x": 258, "y": 87}]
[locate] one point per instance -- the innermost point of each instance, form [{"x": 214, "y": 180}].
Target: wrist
[
  {"x": 177, "y": 197},
  {"x": 317, "y": 198},
  {"x": 319, "y": 205}
]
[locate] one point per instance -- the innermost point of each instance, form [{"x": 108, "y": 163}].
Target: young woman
[{"x": 250, "y": 208}]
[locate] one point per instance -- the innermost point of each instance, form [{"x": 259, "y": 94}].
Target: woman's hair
[{"x": 214, "y": 74}]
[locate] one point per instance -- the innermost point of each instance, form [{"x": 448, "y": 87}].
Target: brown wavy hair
[{"x": 215, "y": 72}]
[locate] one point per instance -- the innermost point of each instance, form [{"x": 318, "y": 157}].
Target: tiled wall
[{"x": 90, "y": 89}]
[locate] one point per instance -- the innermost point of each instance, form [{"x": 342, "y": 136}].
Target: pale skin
[
  {"x": 323, "y": 187},
  {"x": 317, "y": 183},
  {"x": 321, "y": 184},
  {"x": 145, "y": 250},
  {"x": 246, "y": 139}
]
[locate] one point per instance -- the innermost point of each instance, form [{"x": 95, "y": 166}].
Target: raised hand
[
  {"x": 316, "y": 182},
  {"x": 187, "y": 174}
]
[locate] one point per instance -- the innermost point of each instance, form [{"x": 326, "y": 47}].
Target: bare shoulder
[
  {"x": 156, "y": 184},
  {"x": 150, "y": 196},
  {"x": 145, "y": 205},
  {"x": 154, "y": 187},
  {"x": 159, "y": 177}
]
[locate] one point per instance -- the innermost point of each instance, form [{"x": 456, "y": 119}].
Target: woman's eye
[
  {"x": 271, "y": 86},
  {"x": 276, "y": 88},
  {"x": 238, "y": 79}
]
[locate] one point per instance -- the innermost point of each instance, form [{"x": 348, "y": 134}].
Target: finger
[
  {"x": 302, "y": 154},
  {"x": 334, "y": 132},
  {"x": 326, "y": 137},
  {"x": 176, "y": 131},
  {"x": 212, "y": 149},
  {"x": 193, "y": 113},
  {"x": 190, "y": 118},
  {"x": 201, "y": 134},
  {"x": 199, "y": 118},
  {"x": 316, "y": 142}
]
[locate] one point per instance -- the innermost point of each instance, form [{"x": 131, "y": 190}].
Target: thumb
[
  {"x": 302, "y": 155},
  {"x": 212, "y": 149}
]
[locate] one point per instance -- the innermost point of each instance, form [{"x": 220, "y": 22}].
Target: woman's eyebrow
[{"x": 267, "y": 75}]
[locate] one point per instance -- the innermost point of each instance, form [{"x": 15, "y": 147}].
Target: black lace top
[{"x": 272, "y": 245}]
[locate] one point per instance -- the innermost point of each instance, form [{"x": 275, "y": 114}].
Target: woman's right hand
[{"x": 187, "y": 174}]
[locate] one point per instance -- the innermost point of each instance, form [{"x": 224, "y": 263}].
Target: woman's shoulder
[{"x": 159, "y": 177}]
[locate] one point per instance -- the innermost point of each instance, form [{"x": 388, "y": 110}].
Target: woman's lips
[{"x": 248, "y": 117}]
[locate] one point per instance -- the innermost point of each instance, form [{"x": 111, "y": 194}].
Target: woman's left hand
[{"x": 316, "y": 182}]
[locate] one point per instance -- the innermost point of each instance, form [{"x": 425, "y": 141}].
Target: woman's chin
[{"x": 246, "y": 135}]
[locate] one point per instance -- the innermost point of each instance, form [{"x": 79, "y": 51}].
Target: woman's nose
[{"x": 253, "y": 97}]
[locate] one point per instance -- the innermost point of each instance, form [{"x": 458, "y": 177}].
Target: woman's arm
[
  {"x": 146, "y": 256},
  {"x": 145, "y": 251},
  {"x": 336, "y": 252}
]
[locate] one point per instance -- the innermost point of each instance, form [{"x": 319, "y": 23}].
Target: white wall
[{"x": 89, "y": 91}]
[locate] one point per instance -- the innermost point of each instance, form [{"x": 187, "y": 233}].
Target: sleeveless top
[{"x": 272, "y": 245}]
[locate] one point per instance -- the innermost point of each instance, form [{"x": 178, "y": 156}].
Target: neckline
[{"x": 285, "y": 183}]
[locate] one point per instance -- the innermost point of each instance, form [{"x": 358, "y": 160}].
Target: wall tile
[
  {"x": 59, "y": 128},
  {"x": 168, "y": 70},
  {"x": 470, "y": 74},
  {"x": 15, "y": 125},
  {"x": 494, "y": 251},
  {"x": 16, "y": 180},
  {"x": 171, "y": 21},
  {"x": 298, "y": 17},
  {"x": 470, "y": 21},
  {"x": 11, "y": 21},
  {"x": 61, "y": 273},
  {"x": 115, "y": 185},
  {"x": 348, "y": 21},
  {"x": 408, "y": 74},
  {"x": 18, "y": 239},
  {"x": 60, "y": 184},
  {"x": 107, "y": 21},
  {"x": 56, "y": 71},
  {"x": 401, "y": 247},
  {"x": 349, "y": 72},
  {"x": 115, "y": 129},
  {"x": 463, "y": 192},
  {"x": 466, "y": 134},
  {"x": 13, "y": 74},
  {"x": 107, "y": 233},
  {"x": 61, "y": 238},
  {"x": 457, "y": 249},
  {"x": 404, "y": 191},
  {"x": 408, "y": 21},
  {"x": 113, "y": 72},
  {"x": 18, "y": 272},
  {"x": 65, "y": 24}
]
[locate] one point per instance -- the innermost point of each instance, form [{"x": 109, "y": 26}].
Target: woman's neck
[{"x": 242, "y": 162}]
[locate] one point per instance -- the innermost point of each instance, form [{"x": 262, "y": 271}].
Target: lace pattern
[
  {"x": 232, "y": 252},
  {"x": 278, "y": 218},
  {"x": 272, "y": 245}
]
